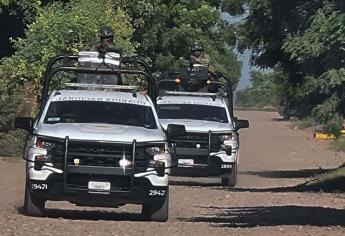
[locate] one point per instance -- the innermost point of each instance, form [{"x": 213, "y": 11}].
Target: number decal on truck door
[
  {"x": 155, "y": 192},
  {"x": 226, "y": 166},
  {"x": 39, "y": 186}
]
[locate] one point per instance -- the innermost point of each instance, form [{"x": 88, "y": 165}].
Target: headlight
[
  {"x": 152, "y": 151},
  {"x": 44, "y": 144},
  {"x": 226, "y": 137}
]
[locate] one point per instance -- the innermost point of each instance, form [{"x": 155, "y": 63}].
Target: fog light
[
  {"x": 228, "y": 150},
  {"x": 159, "y": 167},
  {"x": 124, "y": 163},
  {"x": 40, "y": 161},
  {"x": 76, "y": 161}
]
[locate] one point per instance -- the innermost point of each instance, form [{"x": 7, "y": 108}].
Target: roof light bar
[
  {"x": 102, "y": 86},
  {"x": 196, "y": 94}
]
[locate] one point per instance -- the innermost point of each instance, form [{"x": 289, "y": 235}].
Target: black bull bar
[
  {"x": 209, "y": 146},
  {"x": 67, "y": 169}
]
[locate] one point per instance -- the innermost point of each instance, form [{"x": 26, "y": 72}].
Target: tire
[
  {"x": 286, "y": 115},
  {"x": 232, "y": 181},
  {"x": 33, "y": 206},
  {"x": 158, "y": 212}
]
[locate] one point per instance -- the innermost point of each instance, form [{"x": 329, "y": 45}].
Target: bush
[
  {"x": 11, "y": 143},
  {"x": 338, "y": 145},
  {"x": 12, "y": 103},
  {"x": 334, "y": 125},
  {"x": 304, "y": 123}
]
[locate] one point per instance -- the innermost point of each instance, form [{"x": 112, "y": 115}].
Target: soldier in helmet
[
  {"x": 103, "y": 46},
  {"x": 106, "y": 43},
  {"x": 198, "y": 56}
]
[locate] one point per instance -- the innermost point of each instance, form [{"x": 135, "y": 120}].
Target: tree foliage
[
  {"x": 264, "y": 91},
  {"x": 56, "y": 28},
  {"x": 60, "y": 29},
  {"x": 165, "y": 31},
  {"x": 306, "y": 40}
]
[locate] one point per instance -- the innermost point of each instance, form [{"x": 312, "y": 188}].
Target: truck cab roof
[
  {"x": 101, "y": 96},
  {"x": 185, "y": 99}
]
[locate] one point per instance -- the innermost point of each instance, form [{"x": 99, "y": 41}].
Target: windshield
[
  {"x": 192, "y": 112},
  {"x": 100, "y": 112}
]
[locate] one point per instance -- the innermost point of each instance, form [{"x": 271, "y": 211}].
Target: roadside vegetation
[
  {"x": 305, "y": 41},
  {"x": 330, "y": 181},
  {"x": 263, "y": 94}
]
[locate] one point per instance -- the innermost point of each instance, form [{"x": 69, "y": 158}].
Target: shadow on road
[
  {"x": 304, "y": 173},
  {"x": 279, "y": 119},
  {"x": 92, "y": 215},
  {"x": 272, "y": 216},
  {"x": 193, "y": 183}
]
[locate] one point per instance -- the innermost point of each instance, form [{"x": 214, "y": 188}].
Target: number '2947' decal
[{"x": 155, "y": 192}]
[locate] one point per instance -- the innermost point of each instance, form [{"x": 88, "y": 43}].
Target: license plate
[
  {"x": 99, "y": 186},
  {"x": 185, "y": 162}
]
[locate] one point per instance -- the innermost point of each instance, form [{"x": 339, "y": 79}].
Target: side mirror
[
  {"x": 25, "y": 123},
  {"x": 174, "y": 130},
  {"x": 240, "y": 124},
  {"x": 217, "y": 75}
]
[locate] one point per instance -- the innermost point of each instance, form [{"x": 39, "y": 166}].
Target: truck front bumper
[
  {"x": 194, "y": 163},
  {"x": 141, "y": 192}
]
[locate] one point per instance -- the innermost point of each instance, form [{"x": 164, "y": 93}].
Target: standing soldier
[
  {"x": 106, "y": 43},
  {"x": 108, "y": 56},
  {"x": 198, "y": 56}
]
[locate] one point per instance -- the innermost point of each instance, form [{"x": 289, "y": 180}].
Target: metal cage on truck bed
[
  {"x": 173, "y": 81},
  {"x": 69, "y": 63}
]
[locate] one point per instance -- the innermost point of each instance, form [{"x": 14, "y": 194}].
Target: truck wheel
[
  {"x": 33, "y": 206},
  {"x": 158, "y": 211},
  {"x": 232, "y": 181},
  {"x": 286, "y": 115}
]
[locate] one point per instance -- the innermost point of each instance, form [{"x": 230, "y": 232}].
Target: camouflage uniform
[
  {"x": 202, "y": 59},
  {"x": 107, "y": 47},
  {"x": 103, "y": 46}
]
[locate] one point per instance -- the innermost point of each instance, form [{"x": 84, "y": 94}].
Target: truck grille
[
  {"x": 99, "y": 155},
  {"x": 198, "y": 140}
]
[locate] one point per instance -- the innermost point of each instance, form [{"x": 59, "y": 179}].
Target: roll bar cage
[
  {"x": 68, "y": 63},
  {"x": 216, "y": 80}
]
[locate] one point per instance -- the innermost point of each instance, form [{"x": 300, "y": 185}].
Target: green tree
[
  {"x": 64, "y": 28},
  {"x": 165, "y": 31},
  {"x": 265, "y": 90},
  {"x": 306, "y": 40},
  {"x": 57, "y": 28}
]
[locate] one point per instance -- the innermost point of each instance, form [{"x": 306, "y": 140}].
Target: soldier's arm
[
  {"x": 114, "y": 48},
  {"x": 98, "y": 46},
  {"x": 194, "y": 59},
  {"x": 205, "y": 59}
]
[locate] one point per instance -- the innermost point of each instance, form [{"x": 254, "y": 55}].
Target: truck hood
[
  {"x": 100, "y": 132},
  {"x": 198, "y": 125}
]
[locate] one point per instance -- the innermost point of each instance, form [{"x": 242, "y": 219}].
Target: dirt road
[{"x": 273, "y": 157}]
